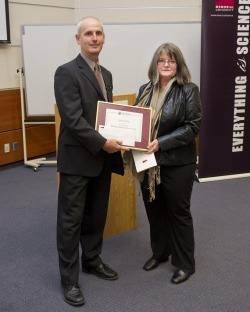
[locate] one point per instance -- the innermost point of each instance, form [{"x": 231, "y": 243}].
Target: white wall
[
  {"x": 140, "y": 10},
  {"x": 70, "y": 11}
]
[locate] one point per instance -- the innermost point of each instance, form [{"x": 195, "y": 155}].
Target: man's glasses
[{"x": 169, "y": 62}]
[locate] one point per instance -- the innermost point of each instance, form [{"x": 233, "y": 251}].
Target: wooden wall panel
[
  {"x": 40, "y": 138},
  {"x": 11, "y": 137},
  {"x": 10, "y": 110}
]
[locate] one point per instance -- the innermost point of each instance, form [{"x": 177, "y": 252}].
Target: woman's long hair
[{"x": 182, "y": 72}]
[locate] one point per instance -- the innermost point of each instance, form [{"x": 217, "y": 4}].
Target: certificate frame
[{"x": 145, "y": 112}]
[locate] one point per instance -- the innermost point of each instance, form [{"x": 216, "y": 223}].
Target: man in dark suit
[{"x": 85, "y": 162}]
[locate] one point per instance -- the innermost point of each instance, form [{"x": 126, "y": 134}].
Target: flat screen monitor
[{"x": 4, "y": 22}]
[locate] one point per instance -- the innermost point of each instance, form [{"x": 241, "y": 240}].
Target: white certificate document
[
  {"x": 127, "y": 136},
  {"x": 143, "y": 161},
  {"x": 118, "y": 119}
]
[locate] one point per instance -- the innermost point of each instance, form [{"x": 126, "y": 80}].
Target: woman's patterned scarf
[{"x": 156, "y": 104}]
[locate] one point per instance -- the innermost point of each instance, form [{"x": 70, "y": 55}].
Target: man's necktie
[{"x": 100, "y": 80}]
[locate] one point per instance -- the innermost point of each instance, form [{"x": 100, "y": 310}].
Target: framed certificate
[{"x": 130, "y": 124}]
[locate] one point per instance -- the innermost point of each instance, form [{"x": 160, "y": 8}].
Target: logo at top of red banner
[
  {"x": 224, "y": 2},
  {"x": 224, "y": 5}
]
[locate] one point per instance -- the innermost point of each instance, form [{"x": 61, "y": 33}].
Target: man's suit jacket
[{"x": 79, "y": 145}]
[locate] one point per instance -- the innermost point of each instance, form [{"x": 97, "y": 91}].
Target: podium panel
[{"x": 122, "y": 214}]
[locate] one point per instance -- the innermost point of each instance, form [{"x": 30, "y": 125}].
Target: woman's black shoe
[{"x": 152, "y": 264}]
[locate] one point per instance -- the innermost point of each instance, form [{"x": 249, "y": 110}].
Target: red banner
[{"x": 224, "y": 141}]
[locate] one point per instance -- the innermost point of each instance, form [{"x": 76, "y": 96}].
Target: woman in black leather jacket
[{"x": 167, "y": 188}]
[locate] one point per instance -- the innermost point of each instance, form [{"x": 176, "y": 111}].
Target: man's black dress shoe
[
  {"x": 152, "y": 264},
  {"x": 73, "y": 295},
  {"x": 102, "y": 271},
  {"x": 181, "y": 276}
]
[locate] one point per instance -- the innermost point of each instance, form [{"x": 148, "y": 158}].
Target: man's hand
[{"x": 112, "y": 146}]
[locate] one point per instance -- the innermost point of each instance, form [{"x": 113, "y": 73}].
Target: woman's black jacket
[{"x": 179, "y": 125}]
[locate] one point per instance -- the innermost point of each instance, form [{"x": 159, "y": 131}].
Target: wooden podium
[{"x": 122, "y": 214}]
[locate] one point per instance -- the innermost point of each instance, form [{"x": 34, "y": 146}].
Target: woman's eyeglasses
[{"x": 169, "y": 62}]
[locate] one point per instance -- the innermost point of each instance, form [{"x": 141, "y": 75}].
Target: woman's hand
[{"x": 153, "y": 147}]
